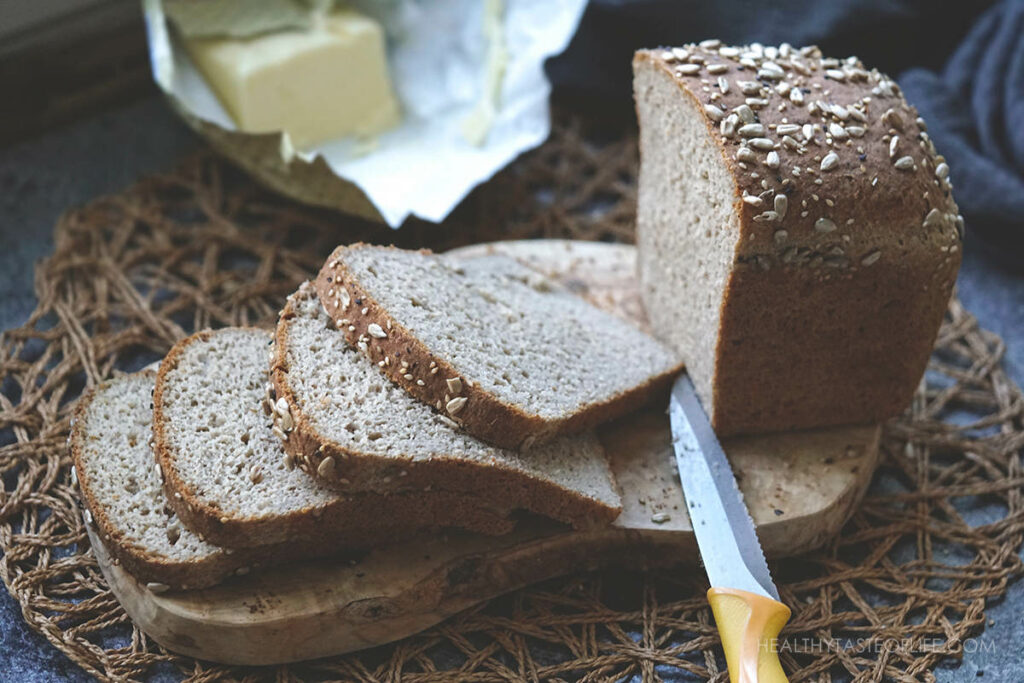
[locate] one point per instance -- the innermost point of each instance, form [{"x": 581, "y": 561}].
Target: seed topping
[
  {"x": 824, "y": 225},
  {"x": 455, "y": 405},
  {"x": 905, "y": 164},
  {"x": 448, "y": 421},
  {"x": 713, "y": 112},
  {"x": 745, "y": 113},
  {"x": 326, "y": 467},
  {"x": 830, "y": 161},
  {"x": 781, "y": 205}
]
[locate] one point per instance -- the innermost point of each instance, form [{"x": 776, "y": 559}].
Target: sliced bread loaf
[
  {"x": 228, "y": 477},
  {"x": 797, "y": 235},
  {"x": 347, "y": 424},
  {"x": 491, "y": 344},
  {"x": 122, "y": 488}
]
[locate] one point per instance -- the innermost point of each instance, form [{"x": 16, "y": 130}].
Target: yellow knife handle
[{"x": 749, "y": 625}]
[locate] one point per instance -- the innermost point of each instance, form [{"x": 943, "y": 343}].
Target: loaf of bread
[
  {"x": 797, "y": 235},
  {"x": 491, "y": 344},
  {"x": 228, "y": 477},
  {"x": 346, "y": 424}
]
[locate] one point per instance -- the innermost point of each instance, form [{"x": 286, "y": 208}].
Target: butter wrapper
[{"x": 463, "y": 117}]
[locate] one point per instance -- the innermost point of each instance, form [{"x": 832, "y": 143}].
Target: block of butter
[{"x": 326, "y": 82}]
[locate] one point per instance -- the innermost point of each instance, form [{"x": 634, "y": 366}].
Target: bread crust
[
  {"x": 832, "y": 306},
  {"x": 354, "y": 470},
  {"x": 352, "y": 521},
  {"x": 426, "y": 375}
]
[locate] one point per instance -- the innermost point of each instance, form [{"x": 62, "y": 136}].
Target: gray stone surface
[{"x": 42, "y": 177}]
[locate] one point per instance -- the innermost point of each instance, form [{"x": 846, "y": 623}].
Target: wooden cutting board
[{"x": 800, "y": 489}]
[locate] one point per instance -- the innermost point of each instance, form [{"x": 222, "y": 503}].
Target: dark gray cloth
[{"x": 974, "y": 107}]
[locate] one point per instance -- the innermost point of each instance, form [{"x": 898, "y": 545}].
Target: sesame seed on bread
[
  {"x": 350, "y": 427},
  {"x": 798, "y": 239},
  {"x": 513, "y": 358}
]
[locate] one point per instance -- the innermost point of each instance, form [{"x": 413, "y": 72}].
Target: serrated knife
[{"x": 743, "y": 597}]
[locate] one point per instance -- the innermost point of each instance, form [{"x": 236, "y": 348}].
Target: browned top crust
[{"x": 820, "y": 148}]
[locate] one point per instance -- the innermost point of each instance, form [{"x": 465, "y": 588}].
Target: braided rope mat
[{"x": 901, "y": 589}]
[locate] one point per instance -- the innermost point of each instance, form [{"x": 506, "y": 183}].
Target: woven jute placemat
[{"x": 903, "y": 587}]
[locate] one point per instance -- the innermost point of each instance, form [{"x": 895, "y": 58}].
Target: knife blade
[{"x": 743, "y": 596}]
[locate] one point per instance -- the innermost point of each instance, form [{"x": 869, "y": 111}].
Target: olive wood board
[{"x": 800, "y": 489}]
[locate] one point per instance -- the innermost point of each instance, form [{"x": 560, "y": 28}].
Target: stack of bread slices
[{"x": 401, "y": 392}]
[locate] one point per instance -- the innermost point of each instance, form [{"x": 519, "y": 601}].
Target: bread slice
[
  {"x": 121, "y": 487},
  {"x": 602, "y": 273},
  {"x": 798, "y": 240},
  {"x": 489, "y": 343},
  {"x": 351, "y": 427},
  {"x": 229, "y": 478}
]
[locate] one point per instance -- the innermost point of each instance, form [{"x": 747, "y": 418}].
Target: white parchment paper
[{"x": 437, "y": 53}]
